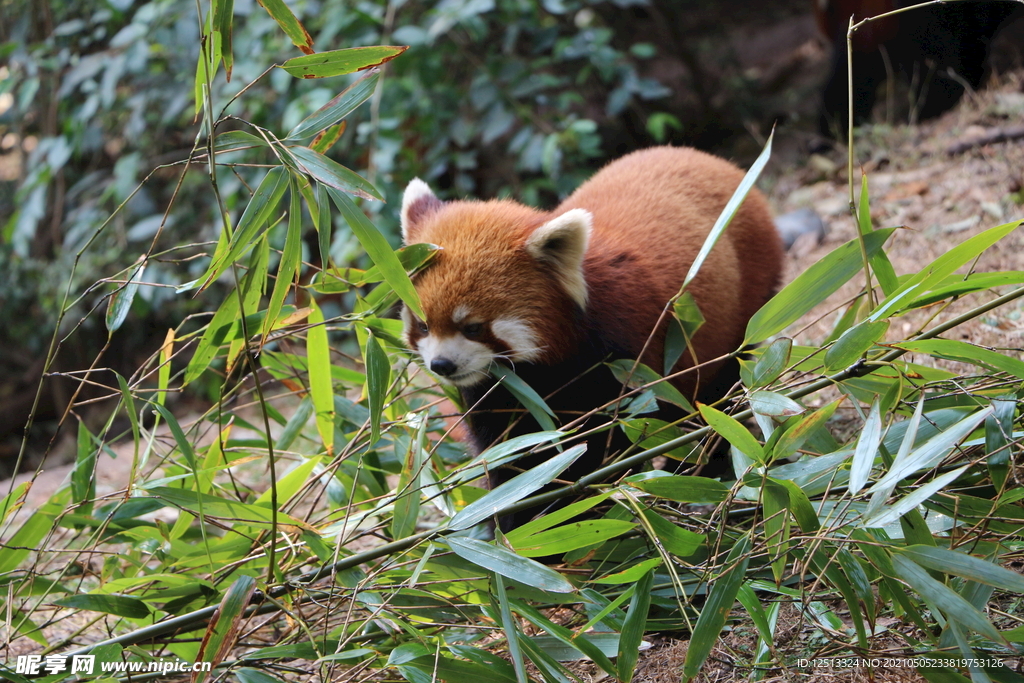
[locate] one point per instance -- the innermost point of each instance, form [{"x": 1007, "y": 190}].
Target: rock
[{"x": 795, "y": 224}]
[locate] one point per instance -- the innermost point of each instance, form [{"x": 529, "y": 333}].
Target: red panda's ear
[
  {"x": 562, "y": 243},
  {"x": 417, "y": 202}
]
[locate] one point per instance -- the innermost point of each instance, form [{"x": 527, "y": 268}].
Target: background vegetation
[
  {"x": 494, "y": 97},
  {"x": 308, "y": 496}
]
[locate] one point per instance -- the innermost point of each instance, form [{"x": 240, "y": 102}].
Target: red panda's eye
[
  {"x": 472, "y": 330},
  {"x": 422, "y": 327}
]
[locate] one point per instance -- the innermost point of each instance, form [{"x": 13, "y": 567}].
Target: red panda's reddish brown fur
[
  {"x": 657, "y": 206},
  {"x": 557, "y": 293}
]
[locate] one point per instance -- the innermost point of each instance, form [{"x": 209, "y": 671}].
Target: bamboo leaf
[
  {"x": 607, "y": 643},
  {"x": 321, "y": 388},
  {"x": 520, "y": 534},
  {"x": 831, "y": 571},
  {"x": 676, "y": 540},
  {"x": 213, "y": 461},
  {"x": 939, "y": 269},
  {"x": 649, "y": 432},
  {"x": 526, "y": 395},
  {"x": 119, "y": 605},
  {"x": 510, "y": 627},
  {"x": 121, "y": 300},
  {"x": 772, "y": 362},
  {"x": 291, "y": 483},
  {"x": 517, "y": 488},
  {"x": 291, "y": 26},
  {"x": 299, "y": 650},
  {"x": 892, "y": 514},
  {"x": 412, "y": 257},
  {"x": 290, "y": 258},
  {"x": 338, "y": 62},
  {"x": 748, "y": 598},
  {"x": 958, "y": 285},
  {"x": 321, "y": 208},
  {"x": 775, "y": 498},
  {"x": 221, "y": 508},
  {"x": 716, "y": 610},
  {"x": 209, "y": 60},
  {"x": 257, "y": 213},
  {"x": 510, "y": 565},
  {"x": 13, "y": 500},
  {"x": 633, "y": 627},
  {"x": 630, "y": 575},
  {"x": 682, "y": 489},
  {"x": 675, "y": 344},
  {"x": 503, "y": 453},
  {"x": 609, "y": 614},
  {"x": 415, "y": 478},
  {"x": 326, "y": 139},
  {"x": 247, "y": 675},
  {"x": 15, "y": 549},
  {"x": 442, "y": 668},
  {"x": 164, "y": 373},
  {"x": 338, "y": 108},
  {"x": 774, "y": 405},
  {"x": 866, "y": 450},
  {"x": 886, "y": 274},
  {"x": 731, "y": 207},
  {"x": 179, "y": 437},
  {"x": 812, "y": 287},
  {"x": 733, "y": 432},
  {"x": 864, "y": 207},
  {"x": 966, "y": 566},
  {"x": 953, "y": 349},
  {"x": 633, "y": 374},
  {"x": 223, "y": 16},
  {"x": 998, "y": 429},
  {"x": 952, "y": 605},
  {"x": 687, "y": 319},
  {"x": 223, "y": 629},
  {"x": 793, "y": 438},
  {"x": 19, "y": 621},
  {"x": 932, "y": 451},
  {"x": 379, "y": 251},
  {"x": 571, "y": 536},
  {"x": 800, "y": 507},
  {"x": 853, "y": 344},
  {"x": 550, "y": 670},
  {"x": 253, "y": 285},
  {"x": 236, "y": 140},
  {"x": 83, "y": 477},
  {"x": 378, "y": 379},
  {"x": 334, "y": 175},
  {"x": 579, "y": 642}
]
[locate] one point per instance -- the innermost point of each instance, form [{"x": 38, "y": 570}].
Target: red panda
[{"x": 556, "y": 294}]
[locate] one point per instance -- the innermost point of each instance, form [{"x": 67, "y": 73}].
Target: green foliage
[
  {"x": 340, "y": 495},
  {"x": 109, "y": 100}
]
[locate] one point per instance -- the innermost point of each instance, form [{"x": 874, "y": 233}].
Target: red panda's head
[{"x": 506, "y": 283}]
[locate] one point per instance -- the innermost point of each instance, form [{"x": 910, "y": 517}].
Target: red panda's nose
[{"x": 443, "y": 367}]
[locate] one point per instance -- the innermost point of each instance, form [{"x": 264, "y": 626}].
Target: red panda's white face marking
[
  {"x": 454, "y": 350},
  {"x": 519, "y": 336},
  {"x": 463, "y": 357},
  {"x": 504, "y": 285},
  {"x": 455, "y": 359}
]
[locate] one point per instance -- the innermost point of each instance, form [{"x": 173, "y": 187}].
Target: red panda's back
[{"x": 652, "y": 210}]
